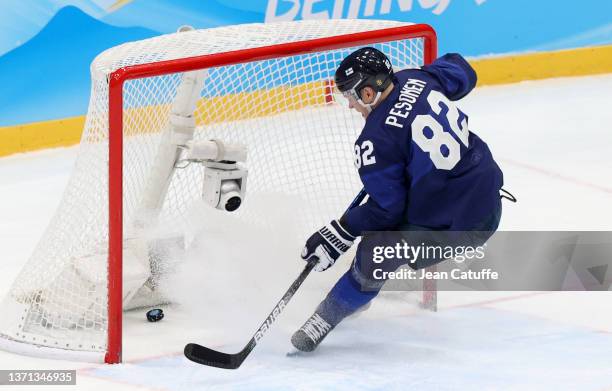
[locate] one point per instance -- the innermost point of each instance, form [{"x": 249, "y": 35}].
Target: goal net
[{"x": 267, "y": 87}]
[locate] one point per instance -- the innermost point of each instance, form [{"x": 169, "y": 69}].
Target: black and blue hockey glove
[{"x": 327, "y": 244}]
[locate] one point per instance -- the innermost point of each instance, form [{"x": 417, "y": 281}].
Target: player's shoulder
[{"x": 414, "y": 75}]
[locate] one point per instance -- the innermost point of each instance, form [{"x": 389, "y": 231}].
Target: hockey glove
[{"x": 327, "y": 244}]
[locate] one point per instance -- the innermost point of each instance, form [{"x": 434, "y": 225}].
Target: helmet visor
[
  {"x": 349, "y": 90},
  {"x": 350, "y": 94}
]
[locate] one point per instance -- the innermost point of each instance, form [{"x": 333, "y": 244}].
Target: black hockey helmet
[{"x": 365, "y": 67}]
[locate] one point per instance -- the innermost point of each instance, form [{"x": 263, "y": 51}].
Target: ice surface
[{"x": 553, "y": 143}]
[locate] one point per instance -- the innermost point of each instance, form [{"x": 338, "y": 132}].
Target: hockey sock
[{"x": 345, "y": 298}]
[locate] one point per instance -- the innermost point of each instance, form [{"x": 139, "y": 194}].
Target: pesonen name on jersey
[{"x": 409, "y": 94}]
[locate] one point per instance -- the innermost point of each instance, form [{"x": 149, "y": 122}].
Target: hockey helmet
[{"x": 365, "y": 67}]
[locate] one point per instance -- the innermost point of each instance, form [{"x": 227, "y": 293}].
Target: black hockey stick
[{"x": 205, "y": 356}]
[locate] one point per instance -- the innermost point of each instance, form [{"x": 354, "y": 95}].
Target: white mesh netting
[{"x": 300, "y": 143}]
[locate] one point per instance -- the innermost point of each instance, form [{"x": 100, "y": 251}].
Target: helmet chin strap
[{"x": 370, "y": 106}]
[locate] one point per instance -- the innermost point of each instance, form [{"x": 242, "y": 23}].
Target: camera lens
[{"x": 233, "y": 203}]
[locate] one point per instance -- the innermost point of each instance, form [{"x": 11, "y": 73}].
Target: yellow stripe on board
[
  {"x": 260, "y": 103},
  {"x": 57, "y": 133},
  {"x": 544, "y": 65},
  {"x": 229, "y": 108},
  {"x": 495, "y": 70},
  {"x": 41, "y": 135}
]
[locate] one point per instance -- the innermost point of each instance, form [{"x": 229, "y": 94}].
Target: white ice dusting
[
  {"x": 230, "y": 263},
  {"x": 552, "y": 141}
]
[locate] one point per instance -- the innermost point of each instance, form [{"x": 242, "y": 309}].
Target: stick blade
[{"x": 212, "y": 358}]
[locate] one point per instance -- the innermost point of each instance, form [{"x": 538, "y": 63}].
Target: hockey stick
[{"x": 205, "y": 356}]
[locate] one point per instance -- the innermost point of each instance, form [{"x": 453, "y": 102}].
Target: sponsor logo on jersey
[
  {"x": 349, "y": 71},
  {"x": 409, "y": 94}
]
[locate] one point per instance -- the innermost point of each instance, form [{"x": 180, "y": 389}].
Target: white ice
[{"x": 553, "y": 143}]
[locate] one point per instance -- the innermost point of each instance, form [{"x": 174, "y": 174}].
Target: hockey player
[{"x": 421, "y": 167}]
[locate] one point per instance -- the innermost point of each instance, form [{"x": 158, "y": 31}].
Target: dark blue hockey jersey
[{"x": 417, "y": 159}]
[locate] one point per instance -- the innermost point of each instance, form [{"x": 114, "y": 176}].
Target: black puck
[{"x": 155, "y": 315}]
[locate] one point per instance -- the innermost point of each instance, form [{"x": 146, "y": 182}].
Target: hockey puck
[{"x": 155, "y": 315}]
